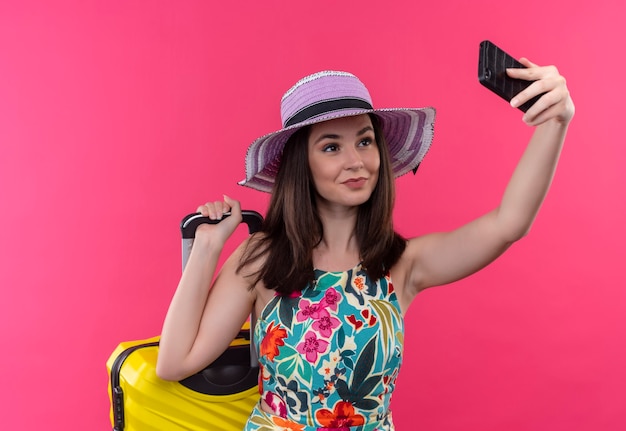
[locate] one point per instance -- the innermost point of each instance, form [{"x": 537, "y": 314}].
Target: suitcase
[{"x": 218, "y": 398}]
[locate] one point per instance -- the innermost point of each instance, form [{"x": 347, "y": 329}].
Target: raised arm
[
  {"x": 442, "y": 258},
  {"x": 201, "y": 322}
]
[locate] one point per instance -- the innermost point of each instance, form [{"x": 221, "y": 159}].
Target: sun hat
[{"x": 328, "y": 95}]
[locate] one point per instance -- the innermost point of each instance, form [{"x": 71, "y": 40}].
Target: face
[{"x": 344, "y": 160}]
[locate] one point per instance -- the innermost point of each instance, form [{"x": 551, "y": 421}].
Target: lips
[{"x": 355, "y": 183}]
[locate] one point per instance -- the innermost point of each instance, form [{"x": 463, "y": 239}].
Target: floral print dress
[{"x": 329, "y": 355}]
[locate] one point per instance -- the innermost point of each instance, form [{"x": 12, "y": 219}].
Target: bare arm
[
  {"x": 442, "y": 258},
  {"x": 201, "y": 322}
]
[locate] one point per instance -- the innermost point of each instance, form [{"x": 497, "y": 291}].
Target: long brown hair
[{"x": 292, "y": 227}]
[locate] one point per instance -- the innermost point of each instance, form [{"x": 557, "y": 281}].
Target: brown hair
[{"x": 292, "y": 227}]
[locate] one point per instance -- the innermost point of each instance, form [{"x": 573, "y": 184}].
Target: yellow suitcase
[{"x": 219, "y": 398}]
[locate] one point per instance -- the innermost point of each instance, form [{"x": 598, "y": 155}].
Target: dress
[{"x": 330, "y": 355}]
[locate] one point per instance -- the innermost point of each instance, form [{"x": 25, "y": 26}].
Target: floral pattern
[
  {"x": 330, "y": 355},
  {"x": 272, "y": 340},
  {"x": 342, "y": 416}
]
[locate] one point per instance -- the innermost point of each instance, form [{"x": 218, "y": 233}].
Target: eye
[
  {"x": 366, "y": 142},
  {"x": 330, "y": 148}
]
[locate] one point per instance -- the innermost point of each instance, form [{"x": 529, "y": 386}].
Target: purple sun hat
[{"x": 331, "y": 94}]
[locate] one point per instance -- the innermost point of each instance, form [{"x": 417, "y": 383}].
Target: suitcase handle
[
  {"x": 188, "y": 227},
  {"x": 191, "y": 222}
]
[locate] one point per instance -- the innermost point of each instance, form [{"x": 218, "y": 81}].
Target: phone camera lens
[{"x": 487, "y": 73}]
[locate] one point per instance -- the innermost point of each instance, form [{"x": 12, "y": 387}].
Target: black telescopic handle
[
  {"x": 188, "y": 227},
  {"x": 190, "y": 223}
]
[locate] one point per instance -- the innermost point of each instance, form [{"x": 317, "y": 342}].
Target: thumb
[{"x": 235, "y": 207}]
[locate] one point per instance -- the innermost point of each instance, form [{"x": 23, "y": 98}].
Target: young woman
[{"x": 319, "y": 274}]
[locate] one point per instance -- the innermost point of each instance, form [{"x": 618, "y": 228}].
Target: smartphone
[{"x": 492, "y": 65}]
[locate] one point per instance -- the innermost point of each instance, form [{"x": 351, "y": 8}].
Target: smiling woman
[
  {"x": 330, "y": 329},
  {"x": 118, "y": 117},
  {"x": 343, "y": 154}
]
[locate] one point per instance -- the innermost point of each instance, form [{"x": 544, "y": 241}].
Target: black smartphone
[{"x": 492, "y": 65}]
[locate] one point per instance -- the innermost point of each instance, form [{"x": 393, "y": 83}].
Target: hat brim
[{"x": 408, "y": 133}]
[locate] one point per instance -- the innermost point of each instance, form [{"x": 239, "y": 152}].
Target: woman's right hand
[{"x": 218, "y": 234}]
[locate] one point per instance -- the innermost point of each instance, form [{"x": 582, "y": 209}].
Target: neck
[{"x": 339, "y": 249}]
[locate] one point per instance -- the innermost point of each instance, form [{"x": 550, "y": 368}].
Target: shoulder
[
  {"x": 252, "y": 255},
  {"x": 249, "y": 256},
  {"x": 239, "y": 274}
]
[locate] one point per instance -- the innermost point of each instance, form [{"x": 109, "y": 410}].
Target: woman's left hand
[{"x": 556, "y": 104}]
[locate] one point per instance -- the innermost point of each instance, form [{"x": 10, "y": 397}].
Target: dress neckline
[{"x": 355, "y": 268}]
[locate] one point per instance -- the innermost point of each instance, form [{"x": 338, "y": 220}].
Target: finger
[
  {"x": 527, "y": 74},
  {"x": 553, "y": 84},
  {"x": 203, "y": 210},
  {"x": 232, "y": 203},
  {"x": 534, "y": 73},
  {"x": 542, "y": 116},
  {"x": 526, "y": 62},
  {"x": 555, "y": 104},
  {"x": 537, "y": 87},
  {"x": 518, "y": 72},
  {"x": 213, "y": 210},
  {"x": 234, "y": 206}
]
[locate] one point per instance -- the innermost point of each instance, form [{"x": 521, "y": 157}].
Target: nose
[{"x": 353, "y": 160}]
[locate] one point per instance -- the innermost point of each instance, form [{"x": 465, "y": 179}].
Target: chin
[{"x": 357, "y": 199}]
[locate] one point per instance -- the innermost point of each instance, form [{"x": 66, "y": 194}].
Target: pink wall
[{"x": 119, "y": 117}]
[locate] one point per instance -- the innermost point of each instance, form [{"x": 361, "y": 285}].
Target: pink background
[{"x": 117, "y": 118}]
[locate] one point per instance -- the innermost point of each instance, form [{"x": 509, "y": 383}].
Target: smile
[{"x": 355, "y": 183}]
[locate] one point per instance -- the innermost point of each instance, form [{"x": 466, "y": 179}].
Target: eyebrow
[{"x": 361, "y": 132}]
